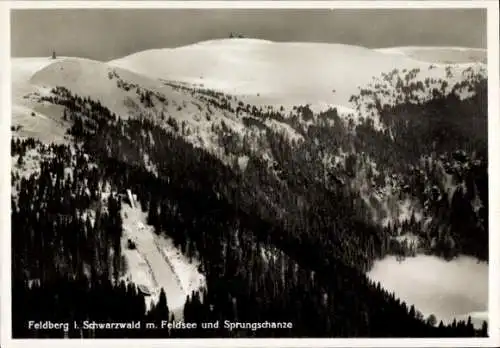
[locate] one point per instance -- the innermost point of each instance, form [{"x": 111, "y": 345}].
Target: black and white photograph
[{"x": 230, "y": 172}]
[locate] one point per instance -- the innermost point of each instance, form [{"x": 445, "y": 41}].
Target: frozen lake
[{"x": 457, "y": 288}]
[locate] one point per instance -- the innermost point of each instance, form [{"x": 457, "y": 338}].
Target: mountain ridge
[{"x": 283, "y": 176}]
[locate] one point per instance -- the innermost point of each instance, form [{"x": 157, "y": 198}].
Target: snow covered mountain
[
  {"x": 285, "y": 73},
  {"x": 213, "y": 86},
  {"x": 257, "y": 72},
  {"x": 324, "y": 114}
]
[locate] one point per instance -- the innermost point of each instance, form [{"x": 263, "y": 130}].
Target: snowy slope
[
  {"x": 33, "y": 80},
  {"x": 441, "y": 55},
  {"x": 258, "y": 72},
  {"x": 37, "y": 119},
  {"x": 156, "y": 263},
  {"x": 87, "y": 77},
  {"x": 22, "y": 69},
  {"x": 270, "y": 72}
]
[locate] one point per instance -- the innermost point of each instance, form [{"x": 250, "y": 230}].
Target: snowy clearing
[{"x": 156, "y": 263}]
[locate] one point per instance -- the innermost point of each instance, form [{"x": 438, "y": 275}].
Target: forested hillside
[{"x": 285, "y": 220}]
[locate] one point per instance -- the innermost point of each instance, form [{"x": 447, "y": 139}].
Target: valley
[{"x": 273, "y": 181}]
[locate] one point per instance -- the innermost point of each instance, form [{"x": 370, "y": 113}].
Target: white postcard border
[{"x": 494, "y": 167}]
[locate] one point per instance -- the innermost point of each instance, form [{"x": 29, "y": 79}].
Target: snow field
[{"x": 156, "y": 263}]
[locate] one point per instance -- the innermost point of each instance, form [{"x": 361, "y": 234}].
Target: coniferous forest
[{"x": 287, "y": 242}]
